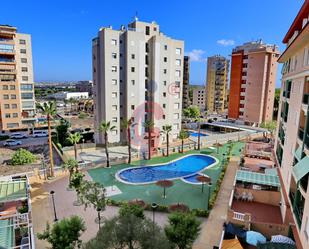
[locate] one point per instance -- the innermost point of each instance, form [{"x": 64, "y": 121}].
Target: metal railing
[{"x": 238, "y": 216}]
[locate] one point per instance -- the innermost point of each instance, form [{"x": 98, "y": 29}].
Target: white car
[
  {"x": 18, "y": 135},
  {"x": 40, "y": 134},
  {"x": 12, "y": 142}
]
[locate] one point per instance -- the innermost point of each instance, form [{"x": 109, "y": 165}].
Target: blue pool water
[
  {"x": 192, "y": 179},
  {"x": 195, "y": 134},
  {"x": 183, "y": 167}
]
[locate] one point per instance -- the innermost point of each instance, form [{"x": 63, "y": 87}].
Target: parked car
[
  {"x": 12, "y": 142},
  {"x": 40, "y": 133},
  {"x": 18, "y": 135}
]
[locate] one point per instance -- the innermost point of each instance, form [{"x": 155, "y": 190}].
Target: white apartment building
[
  {"x": 137, "y": 73},
  {"x": 70, "y": 95},
  {"x": 17, "y": 104}
]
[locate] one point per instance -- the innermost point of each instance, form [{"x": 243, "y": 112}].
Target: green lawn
[{"x": 180, "y": 192}]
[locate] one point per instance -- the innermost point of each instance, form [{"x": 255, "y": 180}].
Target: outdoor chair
[
  {"x": 244, "y": 196},
  {"x": 250, "y": 197},
  {"x": 237, "y": 196}
]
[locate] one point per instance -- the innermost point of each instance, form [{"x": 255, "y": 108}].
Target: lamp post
[
  {"x": 99, "y": 217},
  {"x": 55, "y": 213},
  {"x": 153, "y": 207},
  {"x": 209, "y": 186},
  {"x": 83, "y": 144}
]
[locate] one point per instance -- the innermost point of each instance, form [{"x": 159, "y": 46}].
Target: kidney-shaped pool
[{"x": 183, "y": 167}]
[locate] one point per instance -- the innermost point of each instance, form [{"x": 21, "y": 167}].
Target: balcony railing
[{"x": 239, "y": 216}]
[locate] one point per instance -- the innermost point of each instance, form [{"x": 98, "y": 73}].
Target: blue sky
[{"x": 62, "y": 30}]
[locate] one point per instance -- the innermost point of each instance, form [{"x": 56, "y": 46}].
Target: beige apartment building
[
  {"x": 252, "y": 82},
  {"x": 137, "y": 73},
  {"x": 17, "y": 104},
  {"x": 292, "y": 138},
  {"x": 199, "y": 97},
  {"x": 216, "y": 84},
  {"x": 186, "y": 100}
]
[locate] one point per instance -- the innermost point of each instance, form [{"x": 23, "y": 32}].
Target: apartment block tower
[
  {"x": 252, "y": 82},
  {"x": 138, "y": 74},
  {"x": 292, "y": 138},
  {"x": 186, "y": 101},
  {"x": 17, "y": 104},
  {"x": 216, "y": 83},
  {"x": 199, "y": 97}
]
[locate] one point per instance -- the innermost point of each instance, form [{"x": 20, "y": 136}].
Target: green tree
[
  {"x": 276, "y": 102},
  {"x": 270, "y": 126},
  {"x": 65, "y": 233},
  {"x": 72, "y": 166},
  {"x": 129, "y": 209},
  {"x": 193, "y": 113},
  {"x": 183, "y": 134},
  {"x": 129, "y": 232},
  {"x": 182, "y": 230},
  {"x": 62, "y": 130},
  {"x": 22, "y": 156},
  {"x": 126, "y": 124},
  {"x": 74, "y": 138},
  {"x": 149, "y": 125},
  {"x": 50, "y": 110},
  {"x": 106, "y": 127},
  {"x": 76, "y": 182},
  {"x": 166, "y": 129}
]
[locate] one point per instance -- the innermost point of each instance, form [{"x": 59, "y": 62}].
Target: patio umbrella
[
  {"x": 253, "y": 238},
  {"x": 164, "y": 184},
  {"x": 203, "y": 179},
  {"x": 218, "y": 145},
  {"x": 282, "y": 239},
  {"x": 179, "y": 207},
  {"x": 137, "y": 202}
]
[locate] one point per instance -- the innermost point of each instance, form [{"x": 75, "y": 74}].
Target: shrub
[
  {"x": 82, "y": 115},
  {"x": 22, "y": 156},
  {"x": 132, "y": 209}
]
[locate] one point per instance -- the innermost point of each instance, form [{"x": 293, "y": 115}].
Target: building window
[
  {"x": 26, "y": 95},
  {"x": 114, "y": 94},
  {"x": 177, "y": 73},
  {"x": 147, "y": 31},
  {"x": 5, "y": 87},
  {"x": 175, "y": 126},
  {"x": 114, "y": 82},
  {"x": 12, "y": 87},
  {"x": 165, "y": 47},
  {"x": 165, "y": 59},
  {"x": 114, "y": 119},
  {"x": 176, "y": 115},
  {"x": 23, "y": 60},
  {"x": 12, "y": 125},
  {"x": 178, "y": 51},
  {"x": 15, "y": 115},
  {"x": 178, "y": 62},
  {"x": 164, "y": 82},
  {"x": 114, "y": 69},
  {"x": 21, "y": 41},
  {"x": 165, "y": 71},
  {"x": 5, "y": 96},
  {"x": 24, "y": 78},
  {"x": 7, "y": 115},
  {"x": 133, "y": 82},
  {"x": 164, "y": 94},
  {"x": 132, "y": 56},
  {"x": 23, "y": 51},
  {"x": 114, "y": 107},
  {"x": 24, "y": 69},
  {"x": 164, "y": 105},
  {"x": 114, "y": 42},
  {"x": 6, "y": 106},
  {"x": 132, "y": 107},
  {"x": 114, "y": 55},
  {"x": 14, "y": 106},
  {"x": 176, "y": 106},
  {"x": 26, "y": 87},
  {"x": 114, "y": 132},
  {"x": 132, "y": 69},
  {"x": 163, "y": 116}
]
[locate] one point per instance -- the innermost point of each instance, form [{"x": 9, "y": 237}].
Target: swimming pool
[
  {"x": 192, "y": 179},
  {"x": 195, "y": 134},
  {"x": 183, "y": 167}
]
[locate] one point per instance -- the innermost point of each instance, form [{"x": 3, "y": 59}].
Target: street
[{"x": 26, "y": 142}]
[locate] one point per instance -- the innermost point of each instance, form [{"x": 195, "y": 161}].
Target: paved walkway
[{"x": 211, "y": 229}]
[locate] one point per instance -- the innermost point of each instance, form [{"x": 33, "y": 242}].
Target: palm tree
[
  {"x": 72, "y": 166},
  {"x": 183, "y": 134},
  {"x": 49, "y": 109},
  {"x": 193, "y": 112},
  {"x": 126, "y": 124},
  {"x": 166, "y": 130},
  {"x": 149, "y": 124},
  {"x": 74, "y": 138},
  {"x": 106, "y": 127}
]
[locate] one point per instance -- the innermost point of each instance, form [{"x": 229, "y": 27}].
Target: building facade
[
  {"x": 17, "y": 103},
  {"x": 252, "y": 82},
  {"x": 292, "y": 138},
  {"x": 186, "y": 100},
  {"x": 70, "y": 95},
  {"x": 138, "y": 74},
  {"x": 216, "y": 84},
  {"x": 199, "y": 97},
  {"x": 85, "y": 86}
]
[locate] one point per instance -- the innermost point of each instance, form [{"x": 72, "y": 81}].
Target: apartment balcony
[
  {"x": 242, "y": 102},
  {"x": 243, "y": 94},
  {"x": 243, "y": 85},
  {"x": 7, "y": 41},
  {"x": 7, "y": 71},
  {"x": 7, "y": 61},
  {"x": 7, "y": 51}
]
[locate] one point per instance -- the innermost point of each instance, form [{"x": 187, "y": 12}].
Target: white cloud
[
  {"x": 196, "y": 55},
  {"x": 226, "y": 43}
]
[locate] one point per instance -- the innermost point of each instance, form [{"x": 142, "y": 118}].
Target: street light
[
  {"x": 83, "y": 144},
  {"x": 55, "y": 213},
  {"x": 153, "y": 207},
  {"x": 99, "y": 217},
  {"x": 209, "y": 187}
]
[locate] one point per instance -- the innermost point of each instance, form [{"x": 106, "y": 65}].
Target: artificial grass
[{"x": 180, "y": 192}]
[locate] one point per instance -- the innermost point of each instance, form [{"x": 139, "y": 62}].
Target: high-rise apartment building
[
  {"x": 137, "y": 72},
  {"x": 292, "y": 138},
  {"x": 252, "y": 82},
  {"x": 199, "y": 97},
  {"x": 186, "y": 101},
  {"x": 17, "y": 104},
  {"x": 216, "y": 85}
]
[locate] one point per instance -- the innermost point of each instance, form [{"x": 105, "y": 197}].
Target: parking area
[{"x": 24, "y": 142}]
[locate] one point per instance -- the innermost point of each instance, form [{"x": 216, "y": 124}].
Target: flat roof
[
  {"x": 258, "y": 178},
  {"x": 13, "y": 190}
]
